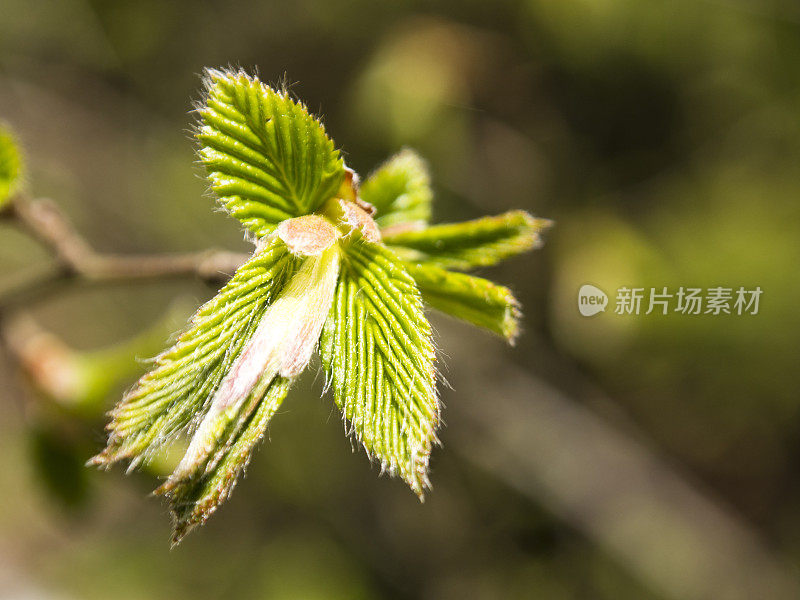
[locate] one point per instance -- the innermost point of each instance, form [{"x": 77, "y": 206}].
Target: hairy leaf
[
  {"x": 176, "y": 392},
  {"x": 378, "y": 353},
  {"x": 472, "y": 299},
  {"x": 282, "y": 345},
  {"x": 267, "y": 158},
  {"x": 10, "y": 165},
  {"x": 400, "y": 191},
  {"x": 479, "y": 243},
  {"x": 194, "y": 500}
]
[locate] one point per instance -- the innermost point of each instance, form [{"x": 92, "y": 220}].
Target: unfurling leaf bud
[{"x": 337, "y": 265}]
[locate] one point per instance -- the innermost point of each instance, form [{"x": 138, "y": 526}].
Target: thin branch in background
[
  {"x": 602, "y": 479},
  {"x": 78, "y": 261}
]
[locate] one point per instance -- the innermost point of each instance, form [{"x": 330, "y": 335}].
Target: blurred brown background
[{"x": 609, "y": 458}]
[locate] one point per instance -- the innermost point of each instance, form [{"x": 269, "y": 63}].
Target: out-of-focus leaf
[
  {"x": 10, "y": 165},
  {"x": 268, "y": 159},
  {"x": 59, "y": 465}
]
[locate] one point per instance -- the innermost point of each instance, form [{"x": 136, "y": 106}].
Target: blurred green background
[{"x": 608, "y": 457}]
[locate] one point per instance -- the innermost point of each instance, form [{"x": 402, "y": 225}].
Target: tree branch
[{"x": 76, "y": 259}]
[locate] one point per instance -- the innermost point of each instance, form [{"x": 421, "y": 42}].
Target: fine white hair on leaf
[
  {"x": 282, "y": 344},
  {"x": 380, "y": 356}
]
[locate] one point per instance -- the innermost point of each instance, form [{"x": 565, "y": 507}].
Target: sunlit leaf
[
  {"x": 175, "y": 393},
  {"x": 378, "y": 352},
  {"x": 268, "y": 159},
  {"x": 478, "y": 243},
  {"x": 329, "y": 271},
  {"x": 281, "y": 345},
  {"x": 193, "y": 501}
]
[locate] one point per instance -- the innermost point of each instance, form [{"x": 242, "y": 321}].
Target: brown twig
[{"x": 77, "y": 260}]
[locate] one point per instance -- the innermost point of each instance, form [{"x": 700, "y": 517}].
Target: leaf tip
[
  {"x": 99, "y": 460},
  {"x": 534, "y": 228}
]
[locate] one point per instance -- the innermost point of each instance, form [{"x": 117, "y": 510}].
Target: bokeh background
[{"x": 607, "y": 458}]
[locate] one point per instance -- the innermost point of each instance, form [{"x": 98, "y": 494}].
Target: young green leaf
[
  {"x": 479, "y": 243},
  {"x": 194, "y": 500},
  {"x": 178, "y": 389},
  {"x": 267, "y": 158},
  {"x": 400, "y": 191},
  {"x": 472, "y": 299},
  {"x": 10, "y": 166},
  {"x": 281, "y": 345},
  {"x": 379, "y": 356}
]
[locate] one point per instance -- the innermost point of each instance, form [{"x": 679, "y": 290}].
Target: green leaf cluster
[{"x": 273, "y": 167}]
